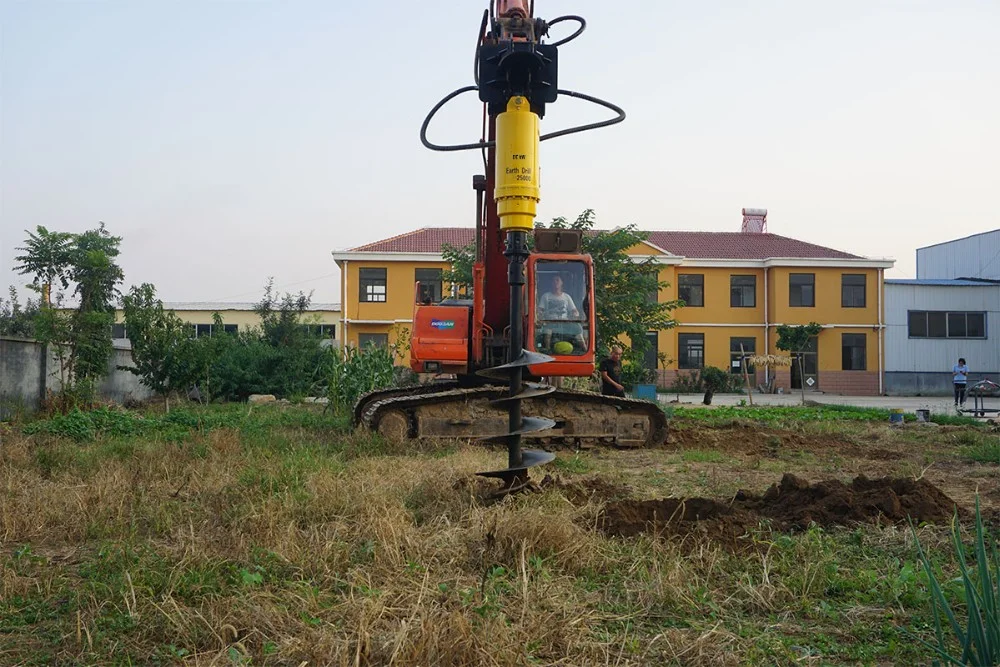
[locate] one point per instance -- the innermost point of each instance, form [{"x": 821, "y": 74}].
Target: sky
[{"x": 228, "y": 142}]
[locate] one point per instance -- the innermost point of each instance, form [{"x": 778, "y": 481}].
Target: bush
[
  {"x": 714, "y": 379},
  {"x": 355, "y": 372},
  {"x": 245, "y": 363},
  {"x": 633, "y": 373}
]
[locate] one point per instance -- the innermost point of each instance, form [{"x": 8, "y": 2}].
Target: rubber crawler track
[{"x": 369, "y": 408}]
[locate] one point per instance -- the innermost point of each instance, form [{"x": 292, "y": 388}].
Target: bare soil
[{"x": 791, "y": 504}]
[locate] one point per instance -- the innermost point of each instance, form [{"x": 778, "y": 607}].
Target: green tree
[
  {"x": 81, "y": 337},
  {"x": 94, "y": 269},
  {"x": 714, "y": 379},
  {"x": 795, "y": 339},
  {"x": 164, "y": 354},
  {"x": 460, "y": 261},
  {"x": 280, "y": 357},
  {"x": 281, "y": 316},
  {"x": 15, "y": 319},
  {"x": 47, "y": 258},
  {"x": 626, "y": 291}
]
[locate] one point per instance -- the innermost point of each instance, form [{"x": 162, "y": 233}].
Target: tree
[
  {"x": 17, "y": 320},
  {"x": 97, "y": 275},
  {"x": 714, "y": 379},
  {"x": 626, "y": 291},
  {"x": 163, "y": 351},
  {"x": 460, "y": 261},
  {"x": 795, "y": 339},
  {"x": 46, "y": 258},
  {"x": 281, "y": 317},
  {"x": 81, "y": 337}
]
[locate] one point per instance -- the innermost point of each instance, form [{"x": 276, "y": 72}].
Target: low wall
[
  {"x": 28, "y": 372},
  {"x": 900, "y": 383}
]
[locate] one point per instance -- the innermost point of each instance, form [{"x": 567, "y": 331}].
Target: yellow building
[
  {"x": 322, "y": 318},
  {"x": 738, "y": 288}
]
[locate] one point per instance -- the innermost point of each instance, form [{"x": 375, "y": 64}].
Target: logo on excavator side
[{"x": 443, "y": 324}]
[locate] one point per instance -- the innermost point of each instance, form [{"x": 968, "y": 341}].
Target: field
[{"x": 273, "y": 535}]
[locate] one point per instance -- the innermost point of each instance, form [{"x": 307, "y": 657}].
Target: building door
[{"x": 810, "y": 367}]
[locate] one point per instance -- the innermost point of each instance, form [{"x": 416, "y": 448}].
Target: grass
[
  {"x": 275, "y": 536},
  {"x": 785, "y": 415}
]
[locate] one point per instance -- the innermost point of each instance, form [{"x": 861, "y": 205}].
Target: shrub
[{"x": 355, "y": 372}]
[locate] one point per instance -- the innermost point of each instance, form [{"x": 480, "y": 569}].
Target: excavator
[{"x": 530, "y": 316}]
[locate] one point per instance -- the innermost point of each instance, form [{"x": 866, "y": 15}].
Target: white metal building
[
  {"x": 930, "y": 323},
  {"x": 976, "y": 256}
]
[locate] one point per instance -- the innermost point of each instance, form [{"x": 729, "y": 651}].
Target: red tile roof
[
  {"x": 740, "y": 245},
  {"x": 428, "y": 239},
  {"x": 696, "y": 245}
]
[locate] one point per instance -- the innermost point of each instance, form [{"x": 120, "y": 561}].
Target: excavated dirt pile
[
  {"x": 791, "y": 504},
  {"x": 794, "y": 503}
]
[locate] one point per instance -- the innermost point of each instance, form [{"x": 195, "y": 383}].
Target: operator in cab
[
  {"x": 611, "y": 374},
  {"x": 561, "y": 317}
]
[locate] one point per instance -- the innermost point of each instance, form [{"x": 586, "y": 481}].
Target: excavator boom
[{"x": 503, "y": 340}]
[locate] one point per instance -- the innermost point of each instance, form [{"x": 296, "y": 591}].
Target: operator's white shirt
[{"x": 557, "y": 306}]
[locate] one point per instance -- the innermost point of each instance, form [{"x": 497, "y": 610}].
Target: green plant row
[{"x": 780, "y": 414}]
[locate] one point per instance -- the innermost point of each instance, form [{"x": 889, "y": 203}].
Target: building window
[
  {"x": 369, "y": 339},
  {"x": 853, "y": 349},
  {"x": 946, "y": 324},
  {"x": 737, "y": 353},
  {"x": 743, "y": 291},
  {"x": 118, "y": 332},
  {"x": 802, "y": 290},
  {"x": 852, "y": 290},
  {"x": 321, "y": 330},
  {"x": 372, "y": 285},
  {"x": 691, "y": 350},
  {"x": 691, "y": 289},
  {"x": 200, "y": 330},
  {"x": 430, "y": 285}
]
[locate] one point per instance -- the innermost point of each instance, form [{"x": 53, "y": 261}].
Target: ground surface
[
  {"x": 942, "y": 405},
  {"x": 274, "y": 536}
]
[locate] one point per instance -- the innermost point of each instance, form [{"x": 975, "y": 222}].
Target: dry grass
[{"x": 308, "y": 545}]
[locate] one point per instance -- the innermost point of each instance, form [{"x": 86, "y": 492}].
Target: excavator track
[{"x": 581, "y": 418}]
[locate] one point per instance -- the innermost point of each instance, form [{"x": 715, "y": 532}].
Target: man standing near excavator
[{"x": 611, "y": 374}]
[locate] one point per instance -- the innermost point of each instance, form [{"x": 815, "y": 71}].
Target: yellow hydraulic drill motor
[{"x": 517, "y": 186}]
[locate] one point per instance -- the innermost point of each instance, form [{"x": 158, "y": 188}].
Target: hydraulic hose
[{"x": 551, "y": 135}]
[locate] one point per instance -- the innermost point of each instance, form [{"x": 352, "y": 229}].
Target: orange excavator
[{"x": 531, "y": 311}]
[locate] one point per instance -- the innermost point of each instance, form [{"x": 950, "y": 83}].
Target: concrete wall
[
  {"x": 122, "y": 386},
  {"x": 22, "y": 369},
  {"x": 928, "y": 384},
  {"x": 21, "y": 375}
]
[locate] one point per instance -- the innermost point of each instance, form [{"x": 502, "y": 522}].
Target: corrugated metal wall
[
  {"x": 973, "y": 257},
  {"x": 920, "y": 355}
]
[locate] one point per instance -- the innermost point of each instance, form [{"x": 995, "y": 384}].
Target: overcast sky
[{"x": 231, "y": 141}]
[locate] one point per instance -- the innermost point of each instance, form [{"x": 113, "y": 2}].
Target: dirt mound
[
  {"x": 794, "y": 503},
  {"x": 791, "y": 504}
]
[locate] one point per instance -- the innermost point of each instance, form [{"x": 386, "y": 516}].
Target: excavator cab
[{"x": 561, "y": 313}]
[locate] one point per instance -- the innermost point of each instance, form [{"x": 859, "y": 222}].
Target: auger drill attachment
[{"x": 534, "y": 320}]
